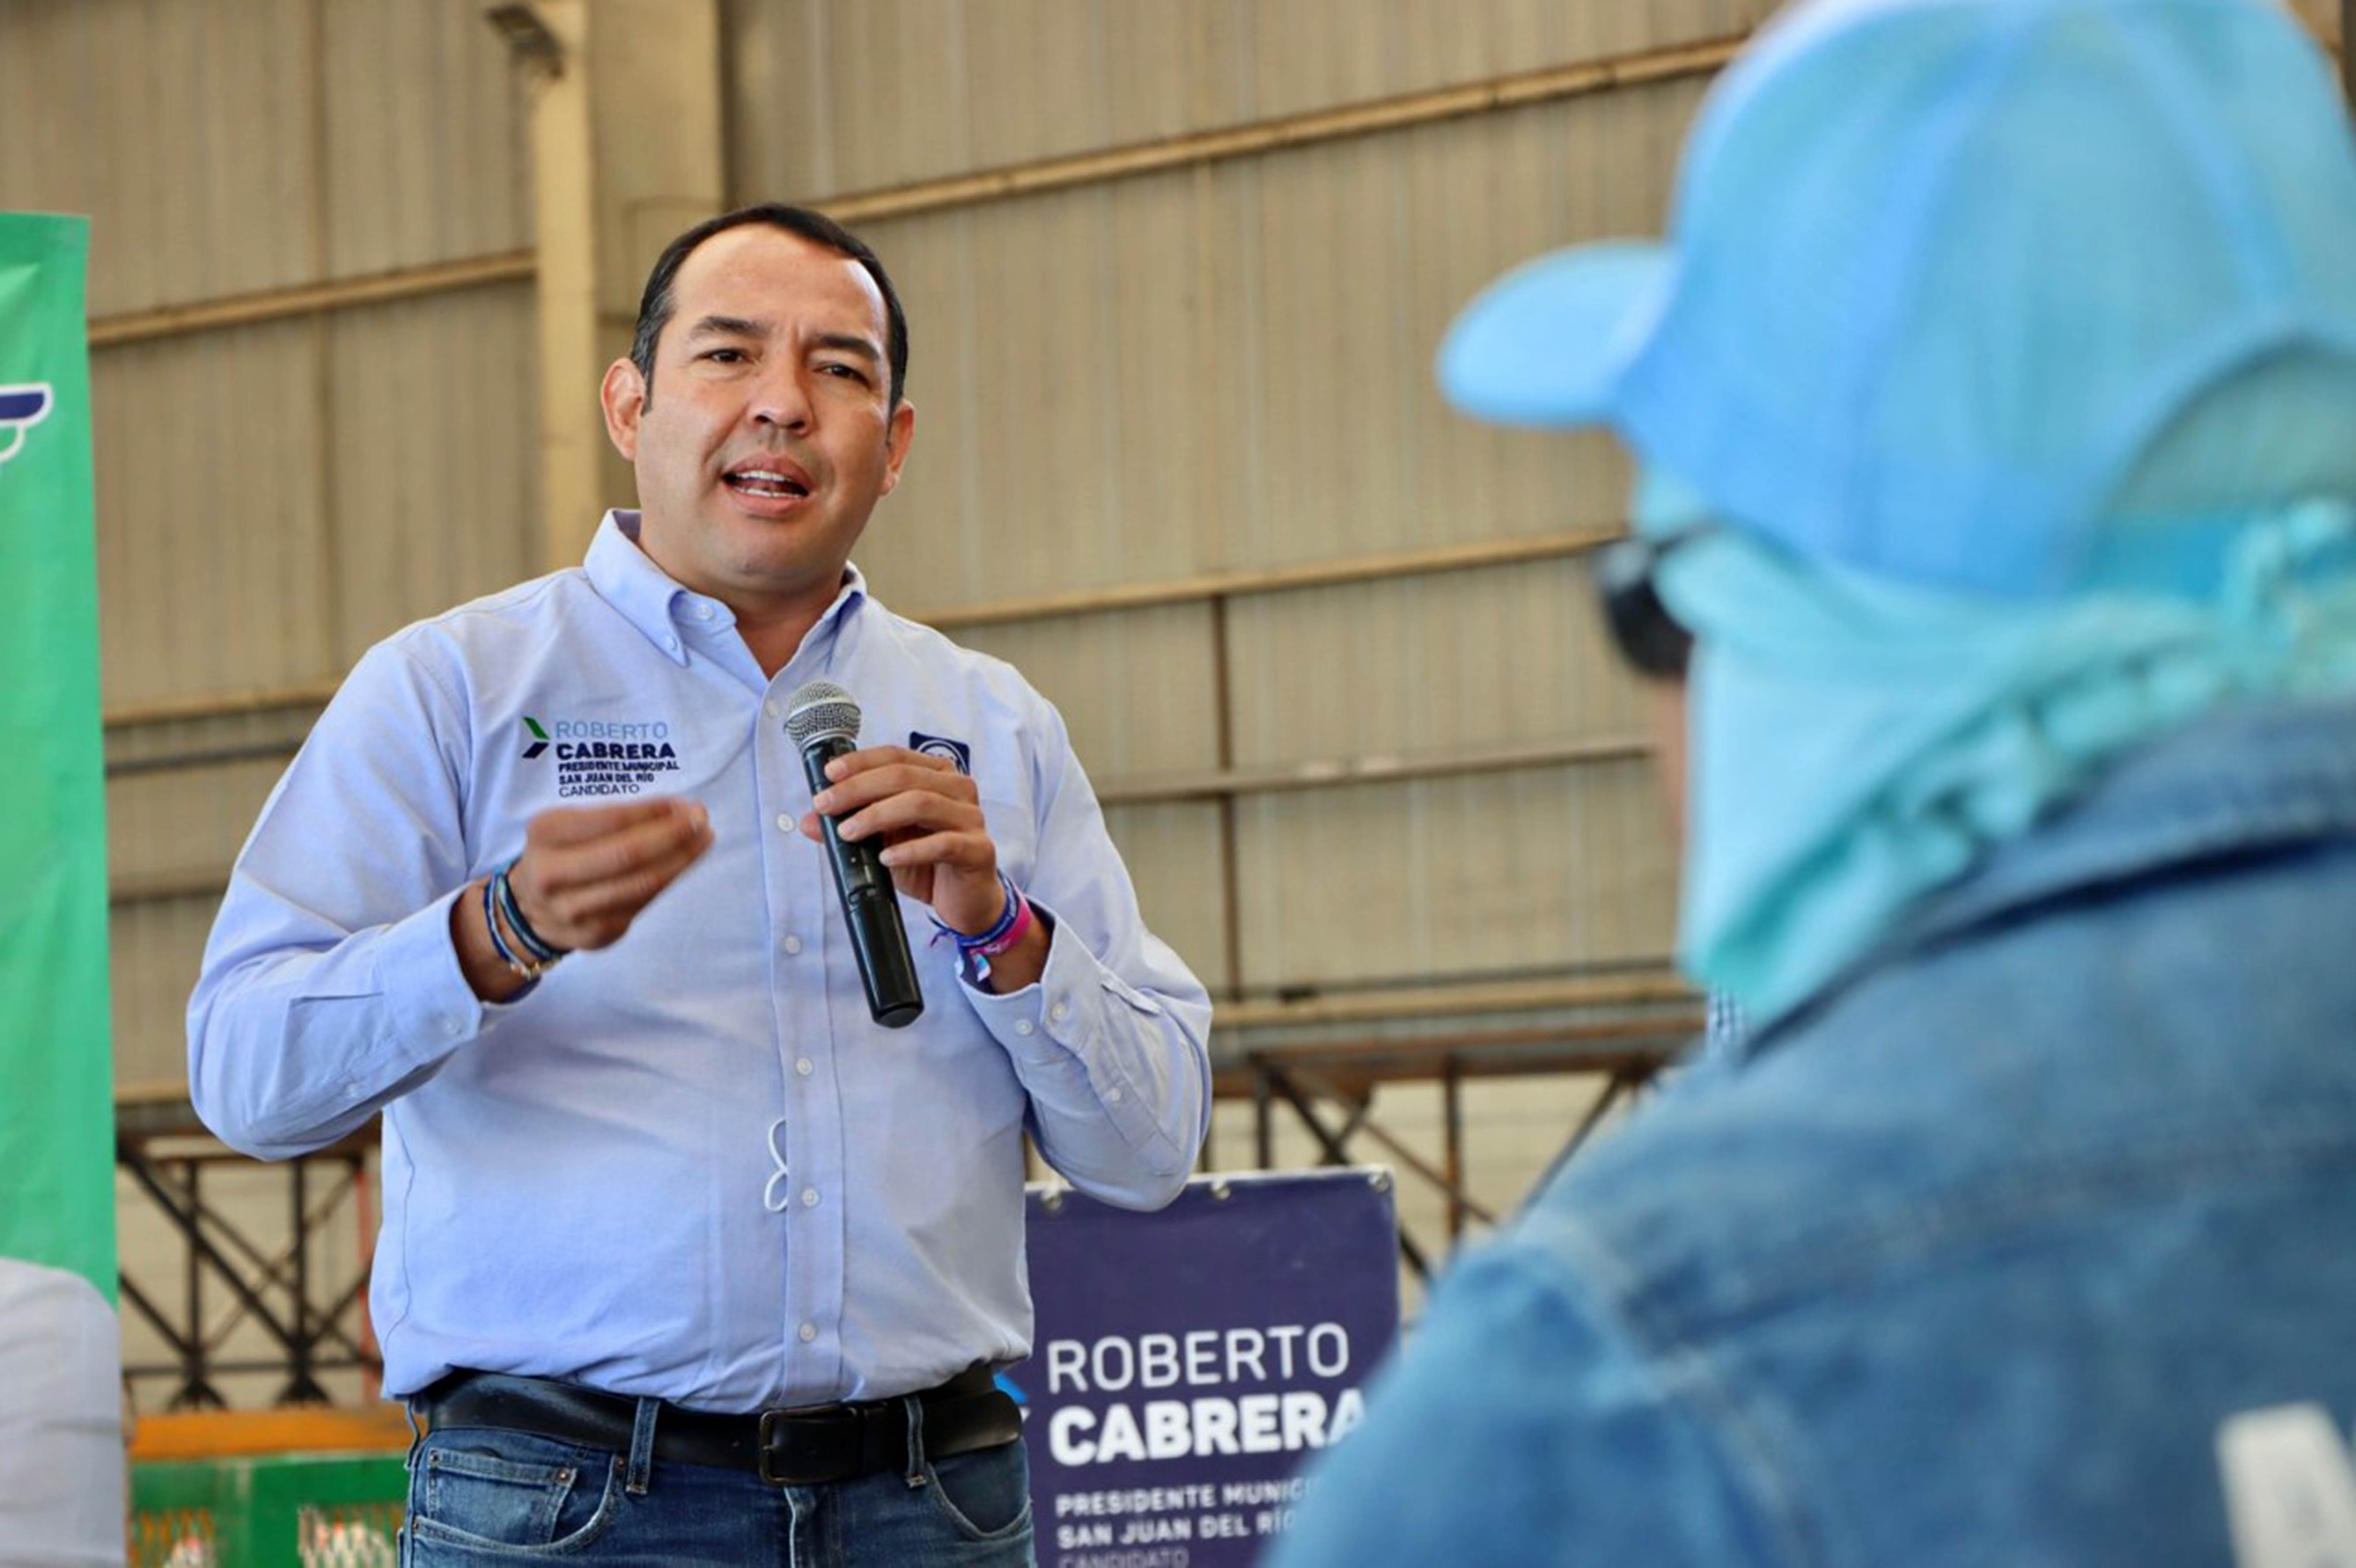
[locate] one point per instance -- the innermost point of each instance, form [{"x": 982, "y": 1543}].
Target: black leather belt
[{"x": 806, "y": 1447}]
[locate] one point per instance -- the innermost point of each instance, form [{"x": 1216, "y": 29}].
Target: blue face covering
[{"x": 1857, "y": 744}]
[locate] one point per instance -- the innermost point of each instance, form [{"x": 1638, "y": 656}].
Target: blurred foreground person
[{"x": 1994, "y": 559}]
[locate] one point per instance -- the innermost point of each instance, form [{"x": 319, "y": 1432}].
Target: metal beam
[
  {"x": 285, "y": 1270},
  {"x": 1514, "y": 551},
  {"x": 1648, "y": 987},
  {"x": 311, "y": 299},
  {"x": 312, "y": 1339},
  {"x": 1329, "y": 773},
  {"x": 191, "y": 1226},
  {"x": 1362, "y": 1121},
  {"x": 1518, "y": 90},
  {"x": 195, "y": 1391},
  {"x": 1622, "y": 1083}
]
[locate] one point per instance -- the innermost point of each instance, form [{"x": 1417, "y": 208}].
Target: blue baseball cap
[{"x": 1943, "y": 277}]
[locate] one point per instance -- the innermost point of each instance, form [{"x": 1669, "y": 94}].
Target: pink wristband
[
  {"x": 975, "y": 957},
  {"x": 1013, "y": 933}
]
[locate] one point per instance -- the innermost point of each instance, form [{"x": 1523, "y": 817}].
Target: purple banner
[{"x": 1186, "y": 1364}]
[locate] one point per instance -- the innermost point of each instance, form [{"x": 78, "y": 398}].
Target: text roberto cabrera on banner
[{"x": 1186, "y": 1364}]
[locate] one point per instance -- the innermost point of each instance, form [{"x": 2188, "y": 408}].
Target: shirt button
[
  {"x": 809, "y": 1332},
  {"x": 809, "y": 1197},
  {"x": 770, "y": 707},
  {"x": 452, "y": 1027},
  {"x": 803, "y": 1066},
  {"x": 1058, "y": 1012},
  {"x": 671, "y": 643},
  {"x": 793, "y": 944},
  {"x": 1022, "y": 1025},
  {"x": 784, "y": 822},
  {"x": 1112, "y": 1097},
  {"x": 703, "y": 612}
]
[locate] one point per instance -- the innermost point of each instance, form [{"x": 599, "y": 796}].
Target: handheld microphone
[{"x": 823, "y": 722}]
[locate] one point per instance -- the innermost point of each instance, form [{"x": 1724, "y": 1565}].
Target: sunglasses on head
[{"x": 1647, "y": 636}]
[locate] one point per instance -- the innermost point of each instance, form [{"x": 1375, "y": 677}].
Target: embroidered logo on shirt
[
  {"x": 603, "y": 756},
  {"x": 955, "y": 752},
  {"x": 22, "y": 407}
]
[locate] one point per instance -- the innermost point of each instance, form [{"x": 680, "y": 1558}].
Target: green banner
[
  {"x": 61, "y": 1397},
  {"x": 56, "y": 1089}
]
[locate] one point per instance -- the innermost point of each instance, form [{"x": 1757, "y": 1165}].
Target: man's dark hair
[{"x": 654, "y": 305}]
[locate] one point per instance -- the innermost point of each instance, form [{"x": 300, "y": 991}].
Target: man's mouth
[{"x": 774, "y": 484}]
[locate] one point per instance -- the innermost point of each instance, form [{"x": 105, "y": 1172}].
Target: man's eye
[
  {"x": 848, "y": 372},
  {"x": 724, "y": 356}
]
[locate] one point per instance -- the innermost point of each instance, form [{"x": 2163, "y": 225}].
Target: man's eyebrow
[
  {"x": 850, "y": 343},
  {"x": 728, "y": 327}
]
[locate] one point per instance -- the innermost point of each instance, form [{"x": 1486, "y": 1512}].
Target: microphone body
[{"x": 871, "y": 906}]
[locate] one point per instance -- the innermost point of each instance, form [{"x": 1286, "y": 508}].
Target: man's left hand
[{"x": 927, "y": 817}]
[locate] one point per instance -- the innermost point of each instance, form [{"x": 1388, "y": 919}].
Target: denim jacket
[{"x": 1965, "y": 1262}]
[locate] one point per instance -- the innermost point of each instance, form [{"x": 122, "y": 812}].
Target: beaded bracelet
[{"x": 532, "y": 943}]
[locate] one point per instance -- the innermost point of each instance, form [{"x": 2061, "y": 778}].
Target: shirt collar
[{"x": 665, "y": 612}]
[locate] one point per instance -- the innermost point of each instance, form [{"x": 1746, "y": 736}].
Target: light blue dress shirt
[{"x": 688, "y": 1164}]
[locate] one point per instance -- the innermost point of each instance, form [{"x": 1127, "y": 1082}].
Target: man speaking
[{"x": 686, "y": 1257}]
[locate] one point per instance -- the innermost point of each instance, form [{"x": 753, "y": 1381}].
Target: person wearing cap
[
  {"x": 686, "y": 1257},
  {"x": 1994, "y": 561}
]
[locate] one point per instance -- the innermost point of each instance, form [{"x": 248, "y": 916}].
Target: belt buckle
[{"x": 834, "y": 1416}]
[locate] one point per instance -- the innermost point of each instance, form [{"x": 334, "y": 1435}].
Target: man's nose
[{"x": 782, "y": 399}]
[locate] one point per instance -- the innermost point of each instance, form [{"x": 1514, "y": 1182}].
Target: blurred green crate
[{"x": 323, "y": 1511}]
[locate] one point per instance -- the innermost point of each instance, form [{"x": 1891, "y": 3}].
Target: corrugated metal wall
[{"x": 273, "y": 497}]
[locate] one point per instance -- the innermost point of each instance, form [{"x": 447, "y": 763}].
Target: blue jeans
[{"x": 480, "y": 1497}]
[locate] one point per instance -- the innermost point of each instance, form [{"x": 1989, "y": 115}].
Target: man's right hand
[{"x": 584, "y": 874}]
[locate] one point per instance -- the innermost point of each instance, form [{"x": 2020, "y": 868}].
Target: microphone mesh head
[{"x": 820, "y": 710}]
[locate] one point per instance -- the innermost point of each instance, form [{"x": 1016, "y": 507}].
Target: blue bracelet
[
  {"x": 1012, "y": 913},
  {"x": 490, "y": 918},
  {"x": 546, "y": 952},
  {"x": 527, "y": 973}
]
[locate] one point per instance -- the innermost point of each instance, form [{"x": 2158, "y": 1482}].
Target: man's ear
[
  {"x": 623, "y": 394},
  {"x": 902, "y": 430}
]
